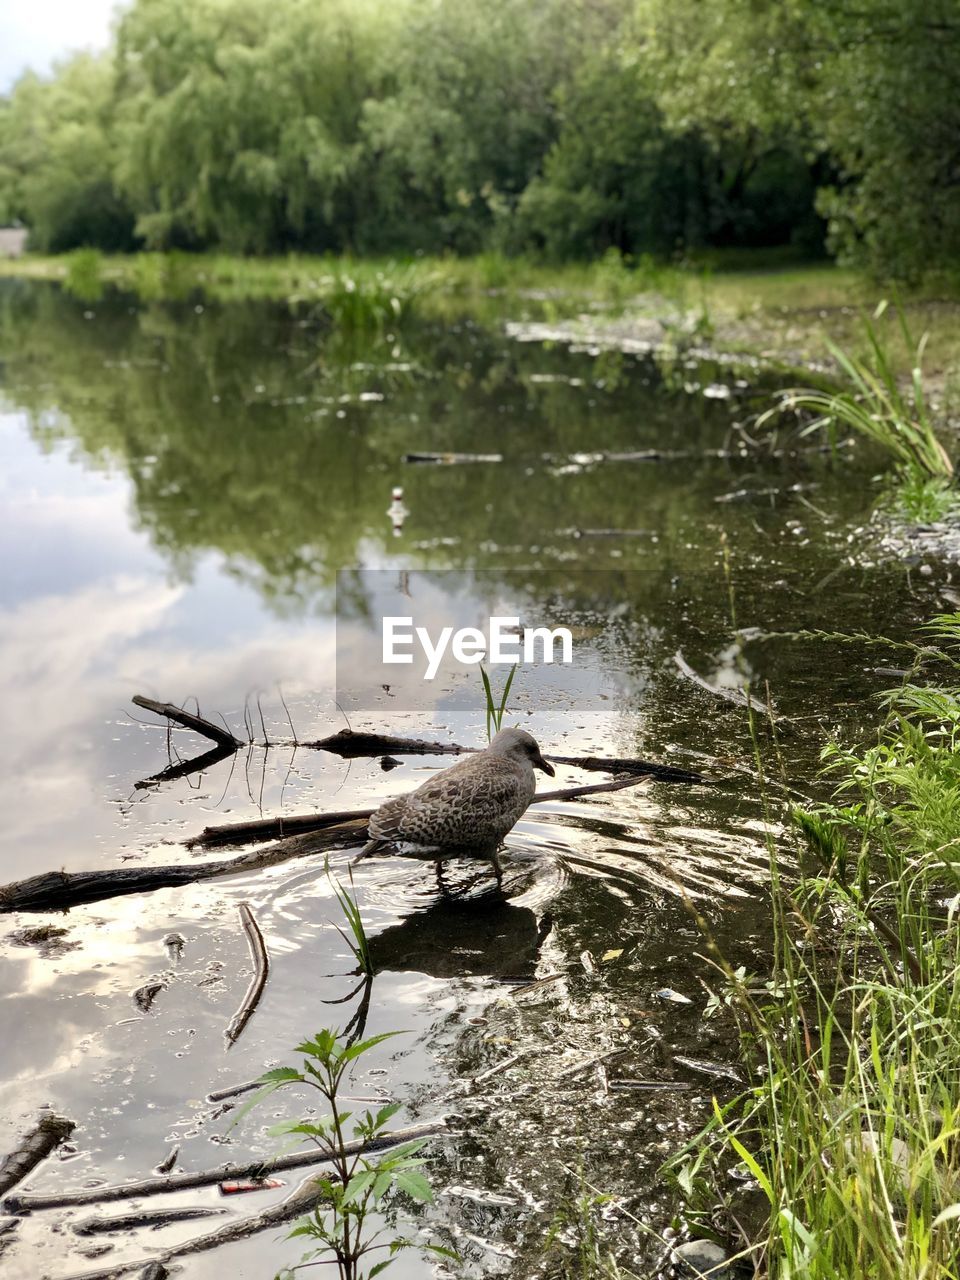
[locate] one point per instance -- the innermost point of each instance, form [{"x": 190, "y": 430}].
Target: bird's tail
[{"x": 370, "y": 847}]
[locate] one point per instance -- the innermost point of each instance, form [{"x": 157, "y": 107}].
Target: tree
[
  {"x": 871, "y": 85},
  {"x": 56, "y": 158}
]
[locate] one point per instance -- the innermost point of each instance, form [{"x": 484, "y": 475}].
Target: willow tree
[
  {"x": 239, "y": 120},
  {"x": 56, "y": 157}
]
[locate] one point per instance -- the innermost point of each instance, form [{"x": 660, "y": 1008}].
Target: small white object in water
[{"x": 397, "y": 512}]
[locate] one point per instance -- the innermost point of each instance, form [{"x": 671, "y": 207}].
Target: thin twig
[
  {"x": 261, "y": 962},
  {"x": 289, "y": 716}
]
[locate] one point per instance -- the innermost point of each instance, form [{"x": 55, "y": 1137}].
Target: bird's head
[{"x": 517, "y": 744}]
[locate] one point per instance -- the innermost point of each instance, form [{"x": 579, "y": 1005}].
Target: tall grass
[
  {"x": 877, "y": 406},
  {"x": 852, "y": 1132}
]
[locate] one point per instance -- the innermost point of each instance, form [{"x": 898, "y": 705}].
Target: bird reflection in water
[{"x": 455, "y": 937}]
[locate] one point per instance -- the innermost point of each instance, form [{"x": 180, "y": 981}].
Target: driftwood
[
  {"x": 46, "y": 1135},
  {"x": 99, "y": 1226},
  {"x": 349, "y": 744},
  {"x": 352, "y": 745},
  {"x": 300, "y": 1201},
  {"x": 273, "y": 828},
  {"x": 233, "y": 833},
  {"x": 27, "y": 1202},
  {"x": 222, "y": 737},
  {"x": 61, "y": 889},
  {"x": 261, "y": 963}
]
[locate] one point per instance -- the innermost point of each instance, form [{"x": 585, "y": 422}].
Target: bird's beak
[{"x": 540, "y": 763}]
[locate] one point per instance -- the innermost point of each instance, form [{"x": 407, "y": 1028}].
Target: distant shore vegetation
[{"x": 536, "y": 127}]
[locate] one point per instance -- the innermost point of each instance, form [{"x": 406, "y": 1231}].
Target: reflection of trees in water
[
  {"x": 250, "y": 430},
  {"x": 243, "y": 430}
]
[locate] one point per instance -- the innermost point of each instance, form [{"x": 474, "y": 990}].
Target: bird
[{"x": 467, "y": 808}]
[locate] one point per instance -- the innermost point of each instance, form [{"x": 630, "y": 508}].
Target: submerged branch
[
  {"x": 737, "y": 696},
  {"x": 27, "y": 1201},
  {"x": 60, "y": 889},
  {"x": 233, "y": 833},
  {"x": 98, "y": 1225},
  {"x": 261, "y": 963},
  {"x": 273, "y": 828},
  {"x": 46, "y": 1135},
  {"x": 300, "y": 1201}
]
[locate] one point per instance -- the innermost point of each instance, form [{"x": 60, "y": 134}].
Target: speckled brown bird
[{"x": 467, "y": 808}]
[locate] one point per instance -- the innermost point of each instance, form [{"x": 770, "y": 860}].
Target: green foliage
[
  {"x": 339, "y": 1228},
  {"x": 57, "y": 153},
  {"x": 84, "y": 278},
  {"x": 850, "y": 1134},
  {"x": 648, "y": 126},
  {"x": 877, "y": 407},
  {"x": 574, "y": 1248},
  {"x": 357, "y": 126},
  {"x": 868, "y": 90}
]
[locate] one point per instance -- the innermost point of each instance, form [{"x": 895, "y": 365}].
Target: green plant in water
[
  {"x": 495, "y": 710},
  {"x": 360, "y": 945},
  {"x": 574, "y": 1247},
  {"x": 876, "y": 406},
  {"x": 356, "y": 1188},
  {"x": 372, "y": 301}
]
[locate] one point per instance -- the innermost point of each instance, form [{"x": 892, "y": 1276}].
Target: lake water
[{"x": 181, "y": 485}]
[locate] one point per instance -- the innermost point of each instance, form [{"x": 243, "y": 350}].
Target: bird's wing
[
  {"x": 386, "y": 823},
  {"x": 456, "y": 807}
]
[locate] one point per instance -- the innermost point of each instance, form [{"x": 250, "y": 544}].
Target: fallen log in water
[
  {"x": 631, "y": 765},
  {"x": 98, "y": 1225},
  {"x": 46, "y": 1135},
  {"x": 233, "y": 833},
  {"x": 349, "y": 744},
  {"x": 56, "y": 890},
  {"x": 28, "y": 1202}
]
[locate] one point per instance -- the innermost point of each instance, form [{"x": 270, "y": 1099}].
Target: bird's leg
[
  {"x": 497, "y": 869},
  {"x": 441, "y": 885}
]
